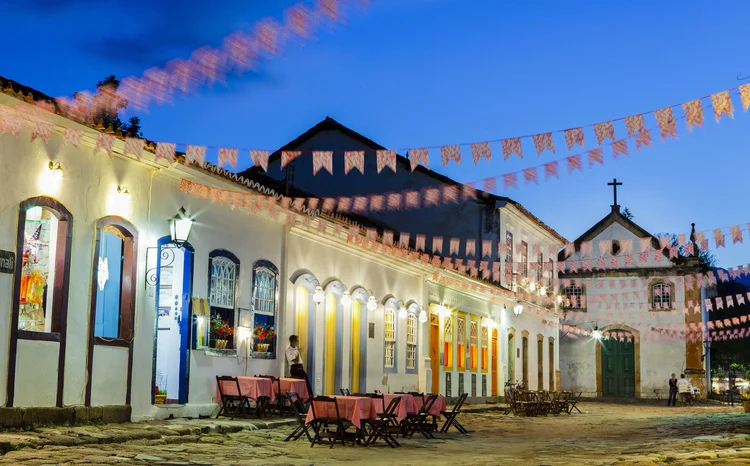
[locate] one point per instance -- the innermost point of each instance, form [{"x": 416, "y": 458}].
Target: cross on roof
[{"x": 614, "y": 185}]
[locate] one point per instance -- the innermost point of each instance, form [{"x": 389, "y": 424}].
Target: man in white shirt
[
  {"x": 295, "y": 363},
  {"x": 684, "y": 388}
]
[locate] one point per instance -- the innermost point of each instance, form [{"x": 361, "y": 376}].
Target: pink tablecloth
[
  {"x": 298, "y": 386},
  {"x": 438, "y": 407},
  {"x": 352, "y": 408},
  {"x": 407, "y": 405},
  {"x": 251, "y": 387}
]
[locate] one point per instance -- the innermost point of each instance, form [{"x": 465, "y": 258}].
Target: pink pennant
[
  {"x": 596, "y": 156},
  {"x": 419, "y": 157},
  {"x": 643, "y": 139},
  {"x": 645, "y": 244},
  {"x": 487, "y": 248},
  {"x": 510, "y": 180},
  {"x": 574, "y": 136},
  {"x": 604, "y": 131},
  {"x": 412, "y": 199},
  {"x": 693, "y": 113},
  {"x": 530, "y": 176},
  {"x": 299, "y": 17},
  {"x": 431, "y": 197},
  {"x": 229, "y": 157},
  {"x": 490, "y": 184},
  {"x": 386, "y": 158},
  {"x": 620, "y": 147},
  {"x": 403, "y": 240},
  {"x": 448, "y": 153},
  {"x": 73, "y": 137},
  {"x": 450, "y": 194},
  {"x": 510, "y": 146},
  {"x": 360, "y": 204},
  {"x": 543, "y": 141},
  {"x": 105, "y": 142},
  {"x": 394, "y": 201},
  {"x": 354, "y": 159},
  {"x": 480, "y": 150},
  {"x": 377, "y": 202},
  {"x": 286, "y": 157},
  {"x": 628, "y": 258},
  {"x": 471, "y": 247},
  {"x": 719, "y": 238},
  {"x": 43, "y": 131},
  {"x": 574, "y": 163},
  {"x": 260, "y": 158},
  {"x": 665, "y": 120},
  {"x": 419, "y": 246},
  {"x": 722, "y": 105},
  {"x": 322, "y": 159},
  {"x": 634, "y": 124},
  {"x": 437, "y": 244},
  {"x": 454, "y": 245},
  {"x": 736, "y": 234},
  {"x": 745, "y": 96},
  {"x": 550, "y": 170}
]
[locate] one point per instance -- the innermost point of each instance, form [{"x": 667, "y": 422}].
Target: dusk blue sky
[{"x": 432, "y": 72}]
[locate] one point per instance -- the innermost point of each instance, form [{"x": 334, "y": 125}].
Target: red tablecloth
[
  {"x": 297, "y": 386},
  {"x": 251, "y": 387},
  {"x": 352, "y": 408},
  {"x": 438, "y": 407},
  {"x": 407, "y": 405}
]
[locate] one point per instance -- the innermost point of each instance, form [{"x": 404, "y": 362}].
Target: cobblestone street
[{"x": 605, "y": 433}]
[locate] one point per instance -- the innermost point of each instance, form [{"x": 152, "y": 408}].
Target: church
[{"x": 630, "y": 286}]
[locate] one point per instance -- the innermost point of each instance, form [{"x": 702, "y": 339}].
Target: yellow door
[
  {"x": 435, "y": 352},
  {"x": 302, "y": 301},
  {"x": 495, "y": 362},
  {"x": 329, "y": 379},
  {"x": 354, "y": 383}
]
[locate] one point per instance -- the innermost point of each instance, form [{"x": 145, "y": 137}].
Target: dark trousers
[
  {"x": 296, "y": 370},
  {"x": 672, "y": 401}
]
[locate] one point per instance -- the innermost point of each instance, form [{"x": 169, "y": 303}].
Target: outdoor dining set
[
  {"x": 540, "y": 403},
  {"x": 358, "y": 418}
]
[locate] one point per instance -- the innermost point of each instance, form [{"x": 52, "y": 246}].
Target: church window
[
  {"x": 661, "y": 296},
  {"x": 524, "y": 259},
  {"x": 573, "y": 297},
  {"x": 411, "y": 341},
  {"x": 390, "y": 337}
]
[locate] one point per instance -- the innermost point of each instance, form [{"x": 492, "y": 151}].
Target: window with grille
[
  {"x": 473, "y": 343},
  {"x": 473, "y": 336},
  {"x": 661, "y": 296},
  {"x": 264, "y": 291},
  {"x": 509, "y": 245},
  {"x": 539, "y": 268},
  {"x": 390, "y": 337},
  {"x": 524, "y": 259},
  {"x": 461, "y": 329},
  {"x": 551, "y": 273},
  {"x": 448, "y": 331},
  {"x": 411, "y": 341},
  {"x": 223, "y": 275},
  {"x": 448, "y": 342},
  {"x": 573, "y": 297}
]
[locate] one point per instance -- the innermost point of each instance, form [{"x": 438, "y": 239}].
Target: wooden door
[
  {"x": 495, "y": 363},
  {"x": 435, "y": 352},
  {"x": 525, "y": 361},
  {"x": 540, "y": 364},
  {"x": 618, "y": 368}
]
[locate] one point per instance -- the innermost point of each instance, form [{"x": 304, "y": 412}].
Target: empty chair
[
  {"x": 451, "y": 416},
  {"x": 232, "y": 399}
]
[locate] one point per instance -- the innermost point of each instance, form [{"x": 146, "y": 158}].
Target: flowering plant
[
  {"x": 264, "y": 333},
  {"x": 221, "y": 327}
]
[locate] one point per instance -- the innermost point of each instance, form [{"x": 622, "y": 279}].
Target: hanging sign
[{"x": 7, "y": 262}]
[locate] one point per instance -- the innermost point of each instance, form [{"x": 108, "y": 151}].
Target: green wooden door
[{"x": 618, "y": 368}]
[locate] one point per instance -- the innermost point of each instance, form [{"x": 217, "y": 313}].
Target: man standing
[
  {"x": 685, "y": 389},
  {"x": 672, "y": 401},
  {"x": 295, "y": 363}
]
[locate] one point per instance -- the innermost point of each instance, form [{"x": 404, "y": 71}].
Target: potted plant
[
  {"x": 264, "y": 335},
  {"x": 160, "y": 396},
  {"x": 220, "y": 331}
]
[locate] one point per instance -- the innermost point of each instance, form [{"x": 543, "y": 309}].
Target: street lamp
[
  {"x": 371, "y": 303},
  {"x": 402, "y": 310},
  {"x": 346, "y": 299},
  {"x": 596, "y": 334},
  {"x": 179, "y": 227},
  {"x": 422, "y": 316},
  {"x": 518, "y": 309},
  {"x": 318, "y": 295}
]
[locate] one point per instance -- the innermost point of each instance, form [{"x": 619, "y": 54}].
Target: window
[
  {"x": 45, "y": 264},
  {"x": 539, "y": 268},
  {"x": 551, "y": 364},
  {"x": 113, "y": 292},
  {"x": 540, "y": 362},
  {"x": 389, "y": 335},
  {"x": 615, "y": 249},
  {"x": 218, "y": 330},
  {"x": 448, "y": 342},
  {"x": 551, "y": 273},
  {"x": 525, "y": 361},
  {"x": 485, "y": 347},
  {"x": 509, "y": 246},
  {"x": 573, "y": 297},
  {"x": 524, "y": 259},
  {"x": 473, "y": 345},
  {"x": 264, "y": 303},
  {"x": 411, "y": 341},
  {"x": 661, "y": 296},
  {"x": 461, "y": 342}
]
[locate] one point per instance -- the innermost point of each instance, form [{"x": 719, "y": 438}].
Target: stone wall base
[{"x": 69, "y": 415}]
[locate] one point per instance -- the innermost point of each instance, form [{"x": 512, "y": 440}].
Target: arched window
[
  {"x": 411, "y": 341},
  {"x": 485, "y": 347},
  {"x": 389, "y": 335},
  {"x": 448, "y": 342},
  {"x": 461, "y": 341},
  {"x": 265, "y": 303},
  {"x": 223, "y": 283},
  {"x": 473, "y": 344}
]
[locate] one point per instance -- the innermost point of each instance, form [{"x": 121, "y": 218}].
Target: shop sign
[{"x": 7, "y": 262}]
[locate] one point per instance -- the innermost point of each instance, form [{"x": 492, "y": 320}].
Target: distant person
[
  {"x": 684, "y": 388},
  {"x": 295, "y": 363},
  {"x": 672, "y": 401}
]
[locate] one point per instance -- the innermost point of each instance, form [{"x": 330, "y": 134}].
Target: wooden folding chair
[
  {"x": 573, "y": 402},
  {"x": 417, "y": 422},
  {"x": 344, "y": 391},
  {"x": 231, "y": 403},
  {"x": 300, "y": 413},
  {"x": 321, "y": 425},
  {"x": 451, "y": 416},
  {"x": 380, "y": 426}
]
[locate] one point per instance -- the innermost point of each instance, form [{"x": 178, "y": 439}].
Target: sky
[{"x": 415, "y": 73}]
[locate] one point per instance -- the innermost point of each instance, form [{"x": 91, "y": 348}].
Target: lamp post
[
  {"x": 518, "y": 309},
  {"x": 402, "y": 313},
  {"x": 318, "y": 295},
  {"x": 179, "y": 227},
  {"x": 371, "y": 303}
]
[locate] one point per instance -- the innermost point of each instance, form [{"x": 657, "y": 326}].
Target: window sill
[
  {"x": 661, "y": 309},
  {"x": 218, "y": 353},
  {"x": 100, "y": 341},
  {"x": 39, "y": 336},
  {"x": 262, "y": 355}
]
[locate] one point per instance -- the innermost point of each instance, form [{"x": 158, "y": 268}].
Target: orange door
[
  {"x": 435, "y": 352},
  {"x": 495, "y": 362}
]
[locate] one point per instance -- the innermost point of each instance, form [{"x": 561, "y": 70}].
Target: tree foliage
[
  {"x": 628, "y": 214},
  {"x": 108, "y": 104}
]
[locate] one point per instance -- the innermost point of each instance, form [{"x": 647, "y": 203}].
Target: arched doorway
[
  {"x": 618, "y": 367},
  {"x": 173, "y": 278},
  {"x": 303, "y": 323}
]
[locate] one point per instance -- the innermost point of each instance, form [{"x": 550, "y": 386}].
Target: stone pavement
[{"x": 607, "y": 433}]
